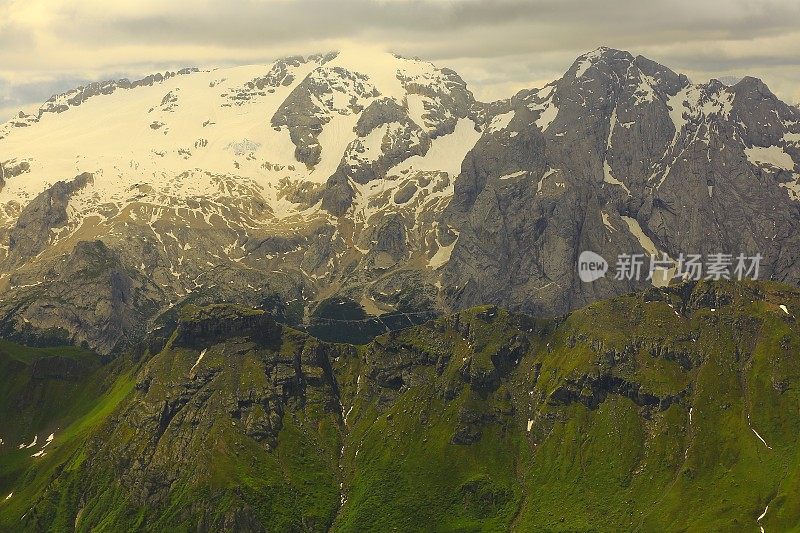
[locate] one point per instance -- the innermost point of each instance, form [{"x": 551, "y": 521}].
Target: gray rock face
[
  {"x": 217, "y": 324},
  {"x": 88, "y": 298},
  {"x": 444, "y": 104},
  {"x": 12, "y": 168},
  {"x": 625, "y": 137},
  {"x": 400, "y": 138},
  {"x": 280, "y": 75},
  {"x": 47, "y": 211}
]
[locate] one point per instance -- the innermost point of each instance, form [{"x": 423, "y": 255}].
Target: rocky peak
[
  {"x": 750, "y": 84},
  {"x": 606, "y": 72},
  {"x": 601, "y": 60}
]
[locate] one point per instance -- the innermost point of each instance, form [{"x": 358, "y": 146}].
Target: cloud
[{"x": 498, "y": 46}]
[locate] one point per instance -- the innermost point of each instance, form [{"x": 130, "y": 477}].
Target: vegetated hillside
[{"x": 672, "y": 409}]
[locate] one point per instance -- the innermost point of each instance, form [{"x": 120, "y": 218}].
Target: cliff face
[
  {"x": 215, "y": 324},
  {"x": 681, "y": 396},
  {"x": 93, "y": 299}
]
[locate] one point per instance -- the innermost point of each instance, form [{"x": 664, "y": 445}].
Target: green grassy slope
[
  {"x": 590, "y": 430},
  {"x": 61, "y": 391},
  {"x": 673, "y": 410}
]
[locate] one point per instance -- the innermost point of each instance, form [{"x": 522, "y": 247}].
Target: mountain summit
[{"x": 379, "y": 181}]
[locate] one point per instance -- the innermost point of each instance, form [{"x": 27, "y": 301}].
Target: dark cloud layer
[
  {"x": 249, "y": 22},
  {"x": 552, "y": 24}
]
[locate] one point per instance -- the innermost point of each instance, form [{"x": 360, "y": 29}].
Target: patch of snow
[
  {"x": 783, "y": 308},
  {"x": 587, "y": 60},
  {"x": 374, "y": 140},
  {"x": 549, "y": 172},
  {"x": 678, "y": 106},
  {"x": 793, "y": 188},
  {"x": 583, "y": 66},
  {"x": 199, "y": 358},
  {"x": 548, "y": 115},
  {"x": 607, "y": 221},
  {"x": 644, "y": 92},
  {"x": 791, "y": 137},
  {"x": 757, "y": 434},
  {"x": 610, "y": 179},
  {"x": 661, "y": 276},
  {"x": 49, "y": 440},
  {"x": 694, "y": 102},
  {"x": 446, "y": 153},
  {"x": 611, "y": 126},
  {"x": 335, "y": 137},
  {"x": 514, "y": 175},
  {"x": 636, "y": 230},
  {"x": 442, "y": 255},
  {"x": 761, "y": 438},
  {"x": 771, "y": 155},
  {"x": 416, "y": 109},
  {"x": 721, "y": 104},
  {"x": 500, "y": 122}
]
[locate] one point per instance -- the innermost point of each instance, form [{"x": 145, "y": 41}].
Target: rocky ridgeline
[{"x": 62, "y": 102}]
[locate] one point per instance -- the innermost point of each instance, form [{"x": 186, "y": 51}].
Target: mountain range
[
  {"x": 338, "y": 293},
  {"x": 379, "y": 184}
]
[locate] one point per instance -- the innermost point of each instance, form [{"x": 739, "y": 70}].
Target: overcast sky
[{"x": 498, "y": 47}]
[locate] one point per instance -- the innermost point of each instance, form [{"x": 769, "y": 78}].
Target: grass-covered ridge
[
  {"x": 63, "y": 392},
  {"x": 675, "y": 409}
]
